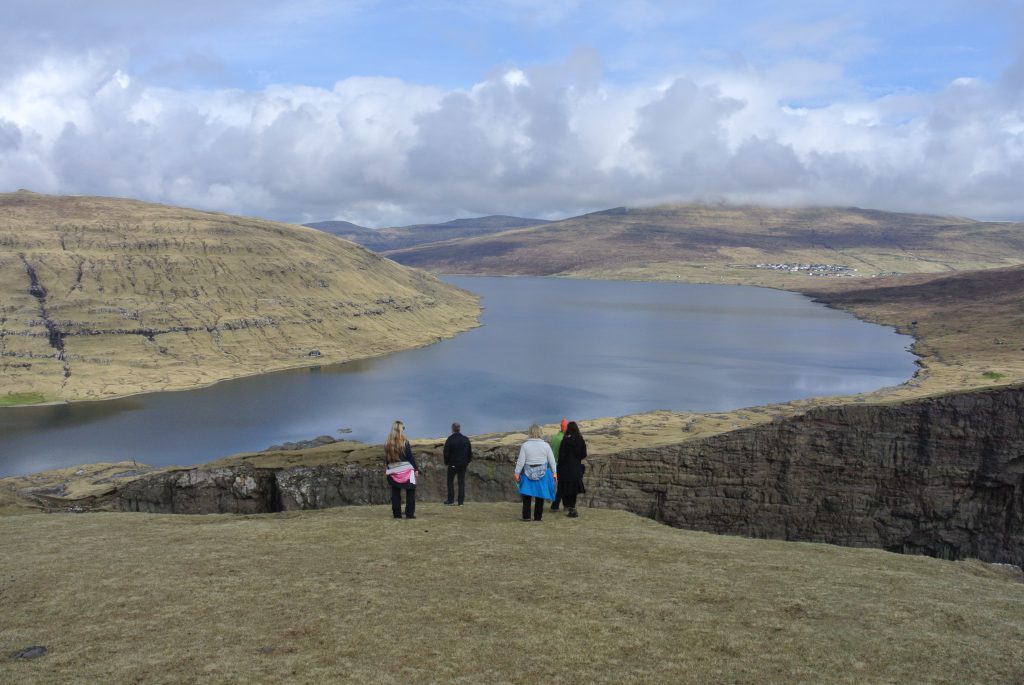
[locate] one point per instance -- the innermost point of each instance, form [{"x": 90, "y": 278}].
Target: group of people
[
  {"x": 551, "y": 471},
  {"x": 402, "y": 471},
  {"x": 546, "y": 471}
]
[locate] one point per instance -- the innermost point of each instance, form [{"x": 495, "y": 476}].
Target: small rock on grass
[{"x": 29, "y": 653}]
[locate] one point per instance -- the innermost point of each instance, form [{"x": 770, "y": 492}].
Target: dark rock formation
[
  {"x": 240, "y": 490},
  {"x": 942, "y": 476},
  {"x": 303, "y": 444},
  {"x": 248, "y": 490},
  {"x": 29, "y": 653}
]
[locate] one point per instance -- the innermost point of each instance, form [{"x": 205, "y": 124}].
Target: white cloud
[{"x": 546, "y": 140}]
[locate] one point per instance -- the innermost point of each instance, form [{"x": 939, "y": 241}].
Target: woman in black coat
[{"x": 571, "y": 454}]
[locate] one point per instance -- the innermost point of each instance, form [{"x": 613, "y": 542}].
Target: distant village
[{"x": 812, "y": 269}]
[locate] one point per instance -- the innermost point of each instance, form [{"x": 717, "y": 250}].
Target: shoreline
[
  {"x": 267, "y": 372},
  {"x": 314, "y": 422},
  {"x": 200, "y": 386},
  {"x": 940, "y": 369}
]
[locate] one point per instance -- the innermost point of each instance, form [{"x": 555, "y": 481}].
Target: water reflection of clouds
[{"x": 813, "y": 384}]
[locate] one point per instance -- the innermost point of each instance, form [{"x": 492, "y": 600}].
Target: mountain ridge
[
  {"x": 398, "y": 237},
  {"x": 722, "y": 243}
]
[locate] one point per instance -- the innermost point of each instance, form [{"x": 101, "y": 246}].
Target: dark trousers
[
  {"x": 459, "y": 471},
  {"x": 396, "y": 502},
  {"x": 570, "y": 501},
  {"x": 538, "y": 507}
]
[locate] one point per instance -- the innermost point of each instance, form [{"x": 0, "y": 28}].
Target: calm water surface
[{"x": 547, "y": 348}]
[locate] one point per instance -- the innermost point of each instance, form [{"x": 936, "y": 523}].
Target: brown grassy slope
[
  {"x": 130, "y": 296},
  {"x": 471, "y": 595},
  {"x": 969, "y": 326},
  {"x": 717, "y": 242}
]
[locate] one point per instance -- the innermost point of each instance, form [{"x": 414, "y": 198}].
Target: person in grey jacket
[
  {"x": 458, "y": 452},
  {"x": 536, "y": 473}
]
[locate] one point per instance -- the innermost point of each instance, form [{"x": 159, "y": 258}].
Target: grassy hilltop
[
  {"x": 724, "y": 244},
  {"x": 102, "y": 297},
  {"x": 472, "y": 595}
]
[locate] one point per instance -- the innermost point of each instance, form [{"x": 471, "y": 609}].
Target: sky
[{"x": 393, "y": 112}]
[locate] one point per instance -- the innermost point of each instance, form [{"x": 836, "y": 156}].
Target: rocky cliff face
[
  {"x": 246, "y": 490},
  {"x": 942, "y": 476}
]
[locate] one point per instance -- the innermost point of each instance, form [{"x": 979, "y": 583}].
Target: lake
[{"x": 548, "y": 348}]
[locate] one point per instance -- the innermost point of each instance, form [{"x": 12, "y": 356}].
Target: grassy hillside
[
  {"x": 471, "y": 594},
  {"x": 383, "y": 239},
  {"x": 102, "y": 297},
  {"x": 717, "y": 243},
  {"x": 968, "y": 325}
]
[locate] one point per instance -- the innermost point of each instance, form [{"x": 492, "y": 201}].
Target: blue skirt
[{"x": 543, "y": 488}]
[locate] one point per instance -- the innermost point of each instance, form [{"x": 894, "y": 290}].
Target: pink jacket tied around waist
[{"x": 402, "y": 472}]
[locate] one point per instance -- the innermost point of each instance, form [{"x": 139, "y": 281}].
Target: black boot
[{"x": 572, "y": 513}]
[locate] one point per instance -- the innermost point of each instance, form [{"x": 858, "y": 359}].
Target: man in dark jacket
[{"x": 457, "y": 455}]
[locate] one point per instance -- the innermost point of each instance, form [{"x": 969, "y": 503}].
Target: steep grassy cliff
[{"x": 102, "y": 297}]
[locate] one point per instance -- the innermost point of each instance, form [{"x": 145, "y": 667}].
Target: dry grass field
[
  {"x": 473, "y": 595},
  {"x": 103, "y": 297}
]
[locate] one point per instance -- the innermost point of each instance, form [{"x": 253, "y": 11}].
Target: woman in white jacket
[{"x": 536, "y": 473}]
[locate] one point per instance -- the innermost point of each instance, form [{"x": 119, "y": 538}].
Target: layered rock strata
[{"x": 941, "y": 476}]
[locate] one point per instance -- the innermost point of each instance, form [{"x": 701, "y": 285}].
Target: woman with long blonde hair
[{"x": 400, "y": 467}]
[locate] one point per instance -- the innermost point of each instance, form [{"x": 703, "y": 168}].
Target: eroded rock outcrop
[
  {"x": 239, "y": 490},
  {"x": 942, "y": 476}
]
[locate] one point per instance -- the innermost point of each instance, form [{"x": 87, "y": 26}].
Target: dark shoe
[
  {"x": 447, "y": 504},
  {"x": 554, "y": 507},
  {"x": 461, "y": 504},
  {"x": 572, "y": 514},
  {"x": 410, "y": 517},
  {"x": 538, "y": 520},
  {"x": 525, "y": 518},
  {"x": 398, "y": 518}
]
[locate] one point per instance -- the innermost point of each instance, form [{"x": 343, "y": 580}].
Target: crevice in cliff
[
  {"x": 274, "y": 502},
  {"x": 54, "y": 334}
]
